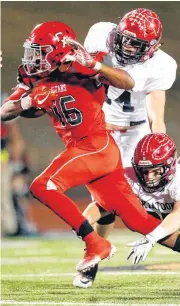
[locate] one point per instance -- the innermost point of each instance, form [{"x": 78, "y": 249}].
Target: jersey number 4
[
  {"x": 125, "y": 100},
  {"x": 65, "y": 114}
]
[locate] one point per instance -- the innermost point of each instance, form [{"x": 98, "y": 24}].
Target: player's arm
[
  {"x": 30, "y": 82},
  {"x": 116, "y": 77},
  {"x": 32, "y": 113},
  {"x": 169, "y": 225},
  {"x": 160, "y": 79},
  {"x": 10, "y": 110},
  {"x": 155, "y": 107},
  {"x": 21, "y": 101},
  {"x": 12, "y": 106}
]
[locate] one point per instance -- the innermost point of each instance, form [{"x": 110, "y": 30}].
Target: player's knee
[{"x": 37, "y": 186}]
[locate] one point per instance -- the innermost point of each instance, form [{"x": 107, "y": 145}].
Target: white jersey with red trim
[
  {"x": 127, "y": 108},
  {"x": 160, "y": 204}
]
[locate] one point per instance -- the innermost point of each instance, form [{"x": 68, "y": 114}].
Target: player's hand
[
  {"x": 81, "y": 55},
  {"x": 141, "y": 248},
  {"x": 42, "y": 97}
]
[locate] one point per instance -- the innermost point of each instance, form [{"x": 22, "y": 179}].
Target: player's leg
[
  {"x": 74, "y": 167},
  {"x": 52, "y": 195},
  {"x": 172, "y": 242},
  {"x": 115, "y": 195},
  {"x": 103, "y": 223},
  {"x": 175, "y": 242},
  {"x": 101, "y": 220}
]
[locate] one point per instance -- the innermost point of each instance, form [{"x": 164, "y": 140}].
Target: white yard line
[
  {"x": 4, "y": 302},
  {"x": 57, "y": 259},
  {"x": 115, "y": 273},
  {"x": 33, "y": 252},
  {"x": 18, "y": 244},
  {"x": 27, "y": 260}
]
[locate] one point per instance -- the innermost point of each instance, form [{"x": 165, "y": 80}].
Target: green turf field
[{"x": 39, "y": 271}]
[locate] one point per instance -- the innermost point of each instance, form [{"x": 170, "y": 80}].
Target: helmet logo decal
[
  {"x": 59, "y": 37},
  {"x": 56, "y": 36}
]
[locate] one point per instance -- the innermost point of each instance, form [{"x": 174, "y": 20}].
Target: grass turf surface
[{"x": 39, "y": 271}]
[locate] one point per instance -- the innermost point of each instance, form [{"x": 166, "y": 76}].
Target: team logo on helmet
[{"x": 154, "y": 161}]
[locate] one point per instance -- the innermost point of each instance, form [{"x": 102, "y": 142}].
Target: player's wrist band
[
  {"x": 157, "y": 234},
  {"x": 26, "y": 102},
  {"x": 97, "y": 66}
]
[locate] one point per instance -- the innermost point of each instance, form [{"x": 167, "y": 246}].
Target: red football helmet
[
  {"x": 140, "y": 29},
  {"x": 46, "y": 47},
  {"x": 156, "y": 150}
]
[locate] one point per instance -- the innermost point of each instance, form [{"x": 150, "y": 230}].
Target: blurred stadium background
[{"x": 18, "y": 19}]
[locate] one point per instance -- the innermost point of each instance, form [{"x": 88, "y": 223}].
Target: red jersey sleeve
[{"x": 18, "y": 93}]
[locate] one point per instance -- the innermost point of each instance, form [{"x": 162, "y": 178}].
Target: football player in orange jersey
[{"x": 74, "y": 103}]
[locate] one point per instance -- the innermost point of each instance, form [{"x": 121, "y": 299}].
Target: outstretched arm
[
  {"x": 23, "y": 102},
  {"x": 169, "y": 225},
  {"x": 10, "y": 110}
]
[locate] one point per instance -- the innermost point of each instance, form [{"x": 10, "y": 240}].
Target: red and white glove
[{"x": 81, "y": 55}]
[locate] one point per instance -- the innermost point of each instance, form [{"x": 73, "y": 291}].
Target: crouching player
[{"x": 155, "y": 178}]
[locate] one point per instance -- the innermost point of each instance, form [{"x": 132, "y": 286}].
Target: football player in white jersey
[
  {"x": 155, "y": 178},
  {"x": 133, "y": 46}
]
